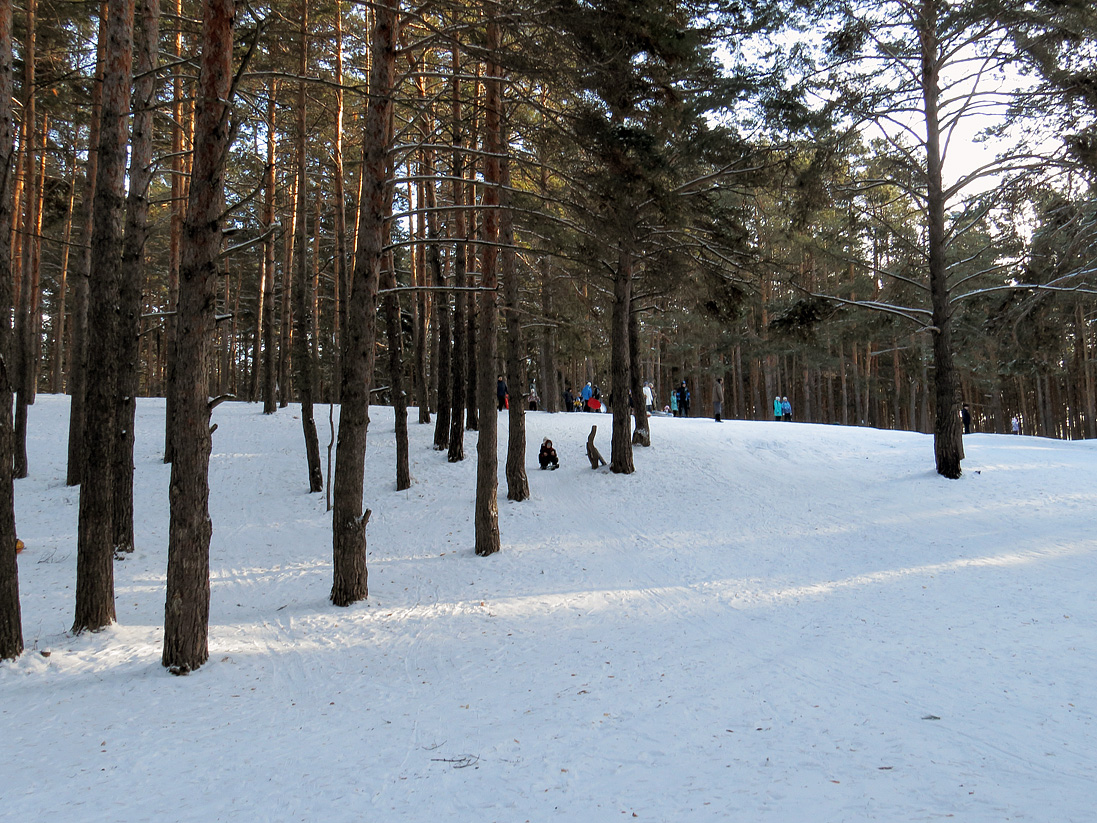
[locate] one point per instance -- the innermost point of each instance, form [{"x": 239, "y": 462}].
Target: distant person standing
[
  {"x": 778, "y": 412},
  {"x": 718, "y": 399},
  {"x": 586, "y": 395},
  {"x": 786, "y": 410},
  {"x": 674, "y": 404},
  {"x": 1015, "y": 424},
  {"x": 683, "y": 400},
  {"x": 965, "y": 417},
  {"x": 501, "y": 392},
  {"x": 649, "y": 397}
]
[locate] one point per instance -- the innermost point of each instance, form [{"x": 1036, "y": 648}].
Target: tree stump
[{"x": 593, "y": 455}]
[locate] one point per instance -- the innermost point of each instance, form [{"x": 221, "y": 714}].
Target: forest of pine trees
[{"x": 323, "y": 201}]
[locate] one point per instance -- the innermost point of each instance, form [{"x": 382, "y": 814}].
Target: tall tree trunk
[
  {"x": 178, "y": 195},
  {"x": 186, "y": 612},
  {"x": 440, "y": 303},
  {"x": 517, "y": 481},
  {"x": 147, "y": 50},
  {"x": 947, "y": 436},
  {"x": 11, "y": 622},
  {"x": 341, "y": 256},
  {"x": 59, "y": 307},
  {"x": 459, "y": 361},
  {"x": 95, "y": 543},
  {"x": 303, "y": 359},
  {"x": 641, "y": 434},
  {"x": 394, "y": 332},
  {"x": 286, "y": 329},
  {"x": 621, "y": 443},
  {"x": 270, "y": 359},
  {"x": 472, "y": 306},
  {"x": 487, "y": 444},
  {"x": 349, "y": 583},
  {"x": 25, "y": 348}
]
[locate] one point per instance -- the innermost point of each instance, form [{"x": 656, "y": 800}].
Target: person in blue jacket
[
  {"x": 786, "y": 410},
  {"x": 778, "y": 409},
  {"x": 585, "y": 396}
]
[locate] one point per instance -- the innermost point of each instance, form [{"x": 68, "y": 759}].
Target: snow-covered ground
[{"x": 767, "y": 621}]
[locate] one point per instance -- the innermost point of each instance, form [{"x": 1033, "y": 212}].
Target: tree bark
[
  {"x": 348, "y": 520},
  {"x": 341, "y": 256},
  {"x": 621, "y": 442},
  {"x": 304, "y": 360},
  {"x": 95, "y": 541},
  {"x": 395, "y": 336},
  {"x": 487, "y": 444},
  {"x": 270, "y": 357},
  {"x": 459, "y": 364},
  {"x": 25, "y": 349},
  {"x": 11, "y": 623},
  {"x": 947, "y": 434},
  {"x": 178, "y": 195},
  {"x": 641, "y": 434},
  {"x": 440, "y": 304},
  {"x": 186, "y": 612},
  {"x": 147, "y": 52},
  {"x": 517, "y": 481}
]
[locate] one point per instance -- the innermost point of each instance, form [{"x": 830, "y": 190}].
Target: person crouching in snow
[{"x": 547, "y": 456}]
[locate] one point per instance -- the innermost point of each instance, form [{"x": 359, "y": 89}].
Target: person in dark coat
[
  {"x": 501, "y": 392},
  {"x": 965, "y": 416},
  {"x": 547, "y": 456}
]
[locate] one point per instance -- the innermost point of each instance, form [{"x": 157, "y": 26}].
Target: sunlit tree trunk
[
  {"x": 11, "y": 625},
  {"x": 186, "y": 612},
  {"x": 349, "y": 583}
]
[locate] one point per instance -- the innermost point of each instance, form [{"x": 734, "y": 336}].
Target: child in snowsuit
[{"x": 547, "y": 456}]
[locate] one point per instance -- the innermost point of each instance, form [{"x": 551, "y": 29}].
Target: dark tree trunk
[
  {"x": 304, "y": 360},
  {"x": 95, "y": 541},
  {"x": 78, "y": 354},
  {"x": 641, "y": 434},
  {"x": 517, "y": 481},
  {"x": 186, "y": 612},
  {"x": 440, "y": 304},
  {"x": 11, "y": 623},
  {"x": 348, "y": 520},
  {"x": 621, "y": 442},
  {"x": 133, "y": 267},
  {"x": 487, "y": 444},
  {"x": 270, "y": 355},
  {"x": 459, "y": 365},
  {"x": 472, "y": 358},
  {"x": 341, "y": 254},
  {"x": 25, "y": 350},
  {"x": 178, "y": 196},
  {"x": 947, "y": 434},
  {"x": 391, "y": 303}
]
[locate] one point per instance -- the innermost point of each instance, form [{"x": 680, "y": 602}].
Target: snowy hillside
[{"x": 767, "y": 622}]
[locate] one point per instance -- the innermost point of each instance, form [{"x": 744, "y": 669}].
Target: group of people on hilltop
[{"x": 782, "y": 409}]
